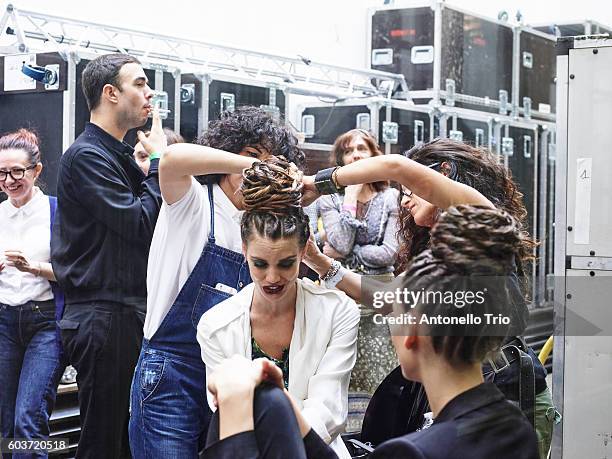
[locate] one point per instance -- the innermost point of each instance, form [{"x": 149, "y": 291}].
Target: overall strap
[
  {"x": 211, "y": 200},
  {"x": 53, "y": 208}
]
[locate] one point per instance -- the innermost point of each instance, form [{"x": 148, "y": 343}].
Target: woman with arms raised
[
  {"x": 434, "y": 176},
  {"x": 194, "y": 263}
]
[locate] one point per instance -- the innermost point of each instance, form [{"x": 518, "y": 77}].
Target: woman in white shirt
[
  {"x": 30, "y": 366},
  {"x": 308, "y": 331}
]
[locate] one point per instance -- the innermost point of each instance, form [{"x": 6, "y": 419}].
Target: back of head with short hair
[
  {"x": 101, "y": 71},
  {"x": 472, "y": 248}
]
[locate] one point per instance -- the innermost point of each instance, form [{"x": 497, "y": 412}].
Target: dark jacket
[
  {"x": 477, "y": 424},
  {"x": 107, "y": 210}
]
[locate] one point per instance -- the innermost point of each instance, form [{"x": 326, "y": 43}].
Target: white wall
[{"x": 324, "y": 30}]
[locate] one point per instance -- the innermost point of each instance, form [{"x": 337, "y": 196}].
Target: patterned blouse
[
  {"x": 283, "y": 363},
  {"x": 369, "y": 243}
]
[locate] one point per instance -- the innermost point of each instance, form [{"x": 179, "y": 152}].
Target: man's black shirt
[{"x": 107, "y": 210}]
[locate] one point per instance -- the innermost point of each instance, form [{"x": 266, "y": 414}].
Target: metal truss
[{"x": 26, "y": 31}]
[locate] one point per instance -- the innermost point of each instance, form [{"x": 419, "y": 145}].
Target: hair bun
[
  {"x": 22, "y": 139},
  {"x": 476, "y": 240},
  {"x": 29, "y": 137},
  {"x": 273, "y": 185}
]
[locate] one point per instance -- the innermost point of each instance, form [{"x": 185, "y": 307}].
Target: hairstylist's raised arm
[
  {"x": 183, "y": 160},
  {"x": 427, "y": 183}
]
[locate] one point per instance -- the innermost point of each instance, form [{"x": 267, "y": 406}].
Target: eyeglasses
[{"x": 16, "y": 174}]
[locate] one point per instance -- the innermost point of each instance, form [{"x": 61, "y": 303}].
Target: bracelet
[
  {"x": 333, "y": 269},
  {"x": 154, "y": 155},
  {"x": 334, "y": 178},
  {"x": 333, "y": 281}
]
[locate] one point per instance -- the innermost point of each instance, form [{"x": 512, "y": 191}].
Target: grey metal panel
[
  {"x": 560, "y": 243},
  {"x": 589, "y": 136},
  {"x": 582, "y": 369},
  {"x": 587, "y": 380}
]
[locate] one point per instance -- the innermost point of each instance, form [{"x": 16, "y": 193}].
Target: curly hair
[
  {"x": 250, "y": 126},
  {"x": 477, "y": 168},
  {"x": 272, "y": 195},
  {"x": 471, "y": 248}
]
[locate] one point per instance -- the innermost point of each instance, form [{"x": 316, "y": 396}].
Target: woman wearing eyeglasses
[
  {"x": 30, "y": 364},
  {"x": 434, "y": 177}
]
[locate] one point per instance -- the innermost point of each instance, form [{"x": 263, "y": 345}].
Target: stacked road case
[
  {"x": 485, "y": 82},
  {"x": 204, "y": 97}
]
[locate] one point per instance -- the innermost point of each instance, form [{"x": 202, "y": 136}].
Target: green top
[{"x": 283, "y": 363}]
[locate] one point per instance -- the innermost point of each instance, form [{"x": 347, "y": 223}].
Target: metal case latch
[
  {"x": 390, "y": 132},
  {"x": 527, "y": 107},
  {"x": 507, "y": 146},
  {"x": 478, "y": 137},
  {"x": 527, "y": 60},
  {"x": 527, "y": 146},
  {"x": 503, "y": 102},
  {"x": 422, "y": 54},
  {"x": 160, "y": 101},
  {"x": 227, "y": 102},
  {"x": 419, "y": 132},
  {"x": 308, "y": 126},
  {"x": 362, "y": 121},
  {"x": 456, "y": 135},
  {"x": 450, "y": 92},
  {"x": 382, "y": 56}
]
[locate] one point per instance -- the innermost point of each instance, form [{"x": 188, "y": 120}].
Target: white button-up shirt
[
  {"x": 25, "y": 228},
  {"x": 322, "y": 352}
]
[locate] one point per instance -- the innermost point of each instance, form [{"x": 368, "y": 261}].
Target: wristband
[
  {"x": 325, "y": 181},
  {"x": 350, "y": 207},
  {"x": 154, "y": 155}
]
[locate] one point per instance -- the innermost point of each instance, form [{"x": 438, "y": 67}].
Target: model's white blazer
[{"x": 321, "y": 355}]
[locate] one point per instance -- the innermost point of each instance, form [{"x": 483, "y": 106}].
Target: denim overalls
[{"x": 169, "y": 410}]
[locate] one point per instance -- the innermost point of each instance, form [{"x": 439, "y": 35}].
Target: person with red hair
[{"x": 30, "y": 361}]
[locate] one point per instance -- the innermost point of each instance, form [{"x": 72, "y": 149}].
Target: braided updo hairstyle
[
  {"x": 471, "y": 248},
  {"x": 272, "y": 194}
]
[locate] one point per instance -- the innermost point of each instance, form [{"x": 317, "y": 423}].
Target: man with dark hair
[{"x": 107, "y": 210}]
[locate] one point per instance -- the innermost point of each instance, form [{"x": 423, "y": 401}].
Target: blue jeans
[
  {"x": 167, "y": 407},
  {"x": 30, "y": 370}
]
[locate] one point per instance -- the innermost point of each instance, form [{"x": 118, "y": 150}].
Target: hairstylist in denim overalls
[{"x": 195, "y": 262}]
